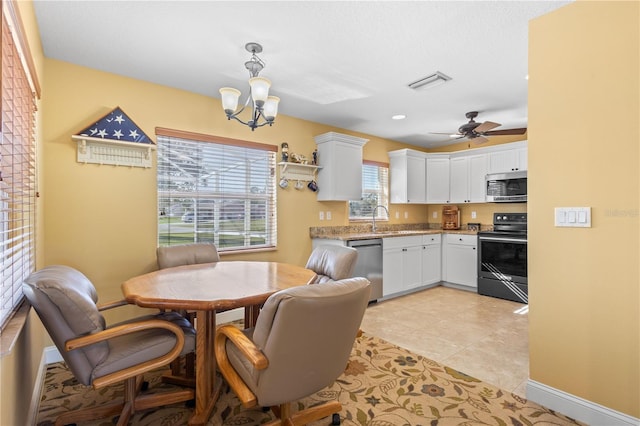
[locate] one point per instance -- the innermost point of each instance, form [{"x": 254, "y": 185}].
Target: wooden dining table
[{"x": 205, "y": 289}]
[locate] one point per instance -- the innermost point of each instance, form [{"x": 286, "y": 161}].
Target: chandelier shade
[{"x": 263, "y": 106}]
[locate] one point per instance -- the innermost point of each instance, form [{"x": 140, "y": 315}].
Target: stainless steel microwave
[{"x": 510, "y": 187}]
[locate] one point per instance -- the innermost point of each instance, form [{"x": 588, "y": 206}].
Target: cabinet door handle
[{"x": 404, "y": 249}]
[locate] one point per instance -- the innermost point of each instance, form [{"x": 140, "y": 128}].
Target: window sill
[
  {"x": 222, "y": 253},
  {"x": 12, "y": 329}
]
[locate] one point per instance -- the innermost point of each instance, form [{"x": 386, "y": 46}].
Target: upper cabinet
[
  {"x": 455, "y": 177},
  {"x": 437, "y": 179},
  {"x": 408, "y": 178},
  {"x": 340, "y": 161},
  {"x": 508, "y": 160},
  {"x": 467, "y": 178}
]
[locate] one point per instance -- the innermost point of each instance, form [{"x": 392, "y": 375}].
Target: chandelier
[{"x": 263, "y": 106}]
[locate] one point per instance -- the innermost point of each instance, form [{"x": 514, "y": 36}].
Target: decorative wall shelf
[
  {"x": 118, "y": 153},
  {"x": 297, "y": 171}
]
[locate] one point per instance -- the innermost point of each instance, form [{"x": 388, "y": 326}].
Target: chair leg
[
  {"x": 285, "y": 417},
  {"x": 125, "y": 409}
]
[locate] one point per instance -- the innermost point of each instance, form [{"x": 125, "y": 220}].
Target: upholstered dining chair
[
  {"x": 300, "y": 344},
  {"x": 332, "y": 262},
  {"x": 97, "y": 355},
  {"x": 186, "y": 254},
  {"x": 179, "y": 255}
]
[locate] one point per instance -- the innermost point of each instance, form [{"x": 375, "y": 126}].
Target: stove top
[{"x": 508, "y": 224}]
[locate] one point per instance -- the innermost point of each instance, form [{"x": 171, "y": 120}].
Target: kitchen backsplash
[{"x": 359, "y": 228}]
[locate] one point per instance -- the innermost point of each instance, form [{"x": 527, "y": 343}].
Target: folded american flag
[{"x": 116, "y": 126}]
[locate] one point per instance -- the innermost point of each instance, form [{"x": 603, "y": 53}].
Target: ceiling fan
[{"x": 479, "y": 131}]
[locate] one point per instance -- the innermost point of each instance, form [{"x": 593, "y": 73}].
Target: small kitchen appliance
[
  {"x": 502, "y": 258},
  {"x": 450, "y": 217}
]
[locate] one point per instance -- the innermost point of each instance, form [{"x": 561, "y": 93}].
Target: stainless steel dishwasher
[{"x": 369, "y": 264}]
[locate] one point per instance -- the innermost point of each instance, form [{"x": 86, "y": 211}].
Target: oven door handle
[{"x": 503, "y": 239}]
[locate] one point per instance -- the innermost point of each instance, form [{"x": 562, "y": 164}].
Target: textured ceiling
[{"x": 345, "y": 64}]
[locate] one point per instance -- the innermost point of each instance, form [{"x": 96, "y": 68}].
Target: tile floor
[{"x": 481, "y": 336}]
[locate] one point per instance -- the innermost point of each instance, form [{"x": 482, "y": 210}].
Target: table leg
[
  {"x": 251, "y": 315},
  {"x": 207, "y": 390}
]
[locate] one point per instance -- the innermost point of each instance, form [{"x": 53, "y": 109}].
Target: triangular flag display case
[{"x": 114, "y": 139}]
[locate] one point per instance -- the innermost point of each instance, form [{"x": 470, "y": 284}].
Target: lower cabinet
[
  {"x": 460, "y": 260},
  {"x": 431, "y": 259},
  {"x": 410, "y": 262}
]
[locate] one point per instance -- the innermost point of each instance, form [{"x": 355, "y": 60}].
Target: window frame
[
  {"x": 236, "y": 215},
  {"x": 383, "y": 193},
  {"x": 18, "y": 178}
]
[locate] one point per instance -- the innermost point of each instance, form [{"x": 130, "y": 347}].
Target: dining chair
[
  {"x": 186, "y": 254},
  {"x": 99, "y": 355},
  {"x": 332, "y": 262},
  {"x": 179, "y": 255},
  {"x": 300, "y": 344}
]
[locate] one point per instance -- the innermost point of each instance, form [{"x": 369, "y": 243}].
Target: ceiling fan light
[
  {"x": 271, "y": 108},
  {"x": 259, "y": 89},
  {"x": 229, "y": 97}
]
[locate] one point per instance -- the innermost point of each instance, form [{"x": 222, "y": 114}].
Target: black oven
[{"x": 502, "y": 258}]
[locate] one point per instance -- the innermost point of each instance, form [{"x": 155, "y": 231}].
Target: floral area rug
[{"x": 383, "y": 385}]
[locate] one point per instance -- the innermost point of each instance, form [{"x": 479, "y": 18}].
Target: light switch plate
[
  {"x": 572, "y": 217},
  {"x": 321, "y": 215},
  {"x": 328, "y": 214}
]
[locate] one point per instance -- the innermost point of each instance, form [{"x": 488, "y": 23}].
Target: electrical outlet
[
  {"x": 473, "y": 215},
  {"x": 406, "y": 215},
  {"x": 321, "y": 215},
  {"x": 328, "y": 215},
  {"x": 435, "y": 215},
  {"x": 397, "y": 215}
]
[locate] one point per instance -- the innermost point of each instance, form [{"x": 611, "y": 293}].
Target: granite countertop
[{"x": 349, "y": 233}]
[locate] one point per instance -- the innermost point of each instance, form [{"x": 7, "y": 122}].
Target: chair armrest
[
  {"x": 253, "y": 354},
  {"x": 111, "y": 305},
  {"x": 247, "y": 347},
  {"x": 129, "y": 328}
]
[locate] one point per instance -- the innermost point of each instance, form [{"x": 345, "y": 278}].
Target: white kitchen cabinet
[
  {"x": 460, "y": 260},
  {"x": 508, "y": 160},
  {"x": 468, "y": 178},
  {"x": 340, "y": 159},
  {"x": 431, "y": 259},
  {"x": 437, "y": 179},
  {"x": 408, "y": 178},
  {"x": 401, "y": 264}
]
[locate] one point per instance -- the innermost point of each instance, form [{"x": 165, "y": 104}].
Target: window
[
  {"x": 215, "y": 189},
  {"x": 375, "y": 192},
  {"x": 17, "y": 165}
]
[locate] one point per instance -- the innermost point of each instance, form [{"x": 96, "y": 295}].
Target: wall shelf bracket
[
  {"x": 113, "y": 152},
  {"x": 297, "y": 171}
]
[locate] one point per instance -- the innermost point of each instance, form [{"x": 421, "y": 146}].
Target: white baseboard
[
  {"x": 577, "y": 408},
  {"x": 37, "y": 390},
  {"x": 51, "y": 355}
]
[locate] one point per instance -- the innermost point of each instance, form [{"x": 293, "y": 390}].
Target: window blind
[
  {"x": 375, "y": 191},
  {"x": 217, "y": 190},
  {"x": 17, "y": 175}
]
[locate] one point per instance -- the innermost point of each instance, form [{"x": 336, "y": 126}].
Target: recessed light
[{"x": 399, "y": 117}]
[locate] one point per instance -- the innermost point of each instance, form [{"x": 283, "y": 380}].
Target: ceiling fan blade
[
  {"x": 486, "y": 126},
  {"x": 480, "y": 139},
  {"x": 519, "y": 131}
]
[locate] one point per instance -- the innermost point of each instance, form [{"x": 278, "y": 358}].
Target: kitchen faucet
[{"x": 373, "y": 215}]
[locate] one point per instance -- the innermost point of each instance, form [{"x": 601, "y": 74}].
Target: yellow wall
[
  {"x": 103, "y": 219},
  {"x": 583, "y": 151}
]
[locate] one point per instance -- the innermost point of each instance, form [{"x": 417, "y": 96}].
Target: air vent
[{"x": 432, "y": 80}]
